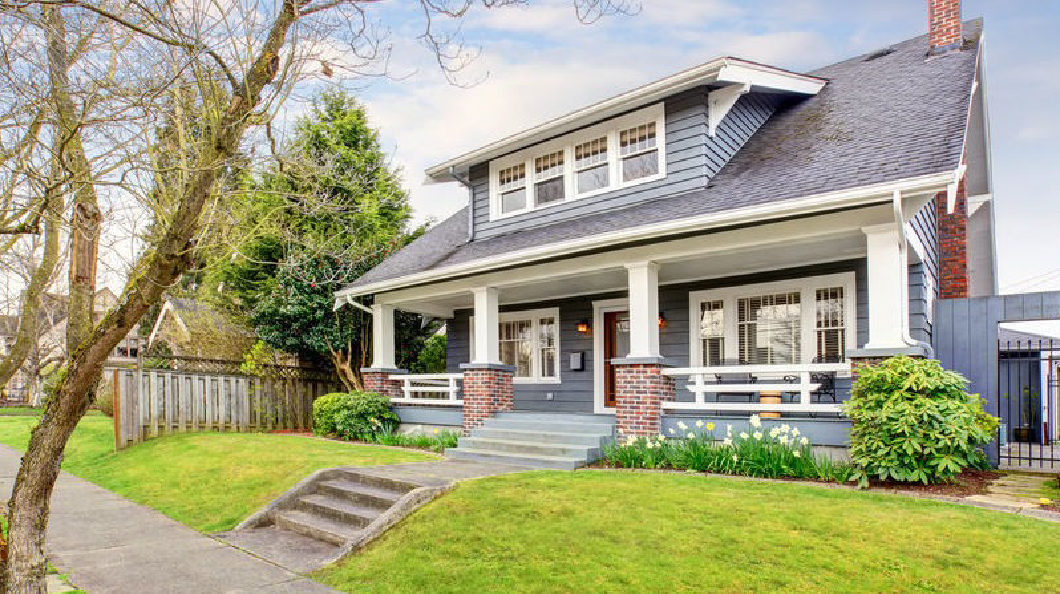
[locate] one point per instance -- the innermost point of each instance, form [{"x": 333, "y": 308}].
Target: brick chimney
[{"x": 944, "y": 25}]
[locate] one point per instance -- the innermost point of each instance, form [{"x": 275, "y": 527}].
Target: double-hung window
[
  {"x": 788, "y": 322},
  {"x": 639, "y": 152},
  {"x": 528, "y": 341},
  {"x": 549, "y": 183},
  {"x": 611, "y": 155}
]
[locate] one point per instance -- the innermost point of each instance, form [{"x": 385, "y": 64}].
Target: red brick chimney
[{"x": 944, "y": 25}]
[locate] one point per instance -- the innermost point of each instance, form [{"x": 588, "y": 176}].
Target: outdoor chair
[{"x": 734, "y": 378}]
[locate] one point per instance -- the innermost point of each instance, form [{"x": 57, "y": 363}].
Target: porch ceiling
[{"x": 833, "y": 237}]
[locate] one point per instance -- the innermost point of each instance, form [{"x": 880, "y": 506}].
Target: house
[
  {"x": 192, "y": 328},
  {"x": 50, "y": 348},
  {"x": 724, "y": 241}
]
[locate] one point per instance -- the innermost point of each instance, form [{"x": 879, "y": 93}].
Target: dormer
[{"x": 667, "y": 137}]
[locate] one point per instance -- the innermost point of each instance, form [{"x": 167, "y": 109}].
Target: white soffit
[{"x": 723, "y": 71}]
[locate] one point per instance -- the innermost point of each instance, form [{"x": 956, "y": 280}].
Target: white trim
[
  {"x": 806, "y": 205},
  {"x": 533, "y": 316},
  {"x": 643, "y": 309},
  {"x": 383, "y": 351},
  {"x": 608, "y": 130},
  {"x": 806, "y": 286},
  {"x": 599, "y": 309},
  {"x": 722, "y": 70},
  {"x": 720, "y": 102}
]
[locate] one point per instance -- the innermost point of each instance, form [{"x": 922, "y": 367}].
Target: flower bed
[{"x": 781, "y": 452}]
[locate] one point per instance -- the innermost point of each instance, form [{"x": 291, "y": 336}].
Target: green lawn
[
  {"x": 604, "y": 531},
  {"x": 209, "y": 481}
]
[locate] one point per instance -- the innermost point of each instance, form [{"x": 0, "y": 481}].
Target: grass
[
  {"x": 209, "y": 481},
  {"x": 1052, "y": 489},
  {"x": 607, "y": 531},
  {"x": 29, "y": 411}
]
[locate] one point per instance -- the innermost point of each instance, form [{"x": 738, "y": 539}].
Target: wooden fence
[{"x": 153, "y": 402}]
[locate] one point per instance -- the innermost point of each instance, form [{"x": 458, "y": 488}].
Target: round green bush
[
  {"x": 355, "y": 415},
  {"x": 914, "y": 421}
]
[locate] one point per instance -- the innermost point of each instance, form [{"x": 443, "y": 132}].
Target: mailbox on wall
[{"x": 577, "y": 361}]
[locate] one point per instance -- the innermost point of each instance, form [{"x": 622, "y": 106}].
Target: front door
[{"x": 616, "y": 344}]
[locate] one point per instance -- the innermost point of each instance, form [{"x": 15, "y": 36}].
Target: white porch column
[
  {"x": 487, "y": 321},
  {"x": 643, "y": 309},
  {"x": 383, "y": 337},
  {"x": 887, "y": 274}
]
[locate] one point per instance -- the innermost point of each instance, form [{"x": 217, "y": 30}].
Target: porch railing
[
  {"x": 430, "y": 388},
  {"x": 784, "y": 379}
]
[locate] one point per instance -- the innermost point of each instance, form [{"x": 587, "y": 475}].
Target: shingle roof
[{"x": 882, "y": 117}]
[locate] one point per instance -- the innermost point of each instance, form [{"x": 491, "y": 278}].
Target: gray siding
[
  {"x": 692, "y": 158},
  {"x": 575, "y": 392},
  {"x": 924, "y": 276},
  {"x": 919, "y": 306}
]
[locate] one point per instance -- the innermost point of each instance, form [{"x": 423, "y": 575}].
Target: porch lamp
[
  {"x": 583, "y": 327},
  {"x": 662, "y": 321}
]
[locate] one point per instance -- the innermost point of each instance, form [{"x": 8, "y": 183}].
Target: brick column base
[
  {"x": 640, "y": 390},
  {"x": 487, "y": 390},
  {"x": 378, "y": 381}
]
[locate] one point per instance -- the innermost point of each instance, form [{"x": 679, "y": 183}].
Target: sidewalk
[{"x": 106, "y": 543}]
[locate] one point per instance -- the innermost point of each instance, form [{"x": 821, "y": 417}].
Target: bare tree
[{"x": 113, "y": 69}]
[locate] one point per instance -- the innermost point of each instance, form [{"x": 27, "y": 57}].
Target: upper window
[
  {"x": 807, "y": 320},
  {"x": 612, "y": 155},
  {"x": 529, "y": 341}
]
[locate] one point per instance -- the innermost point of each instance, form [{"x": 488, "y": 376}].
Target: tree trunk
[{"x": 160, "y": 267}]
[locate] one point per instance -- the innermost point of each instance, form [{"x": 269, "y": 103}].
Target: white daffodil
[
  {"x": 671, "y": 430},
  {"x": 785, "y": 428},
  {"x": 755, "y": 421},
  {"x": 783, "y": 440},
  {"x": 681, "y": 425},
  {"x": 735, "y": 458},
  {"x": 691, "y": 435},
  {"x": 699, "y": 424},
  {"x": 797, "y": 454},
  {"x": 758, "y": 435},
  {"x": 744, "y": 435},
  {"x": 795, "y": 432},
  {"x": 726, "y": 442},
  {"x": 804, "y": 441},
  {"x": 774, "y": 432},
  {"x": 729, "y": 429}
]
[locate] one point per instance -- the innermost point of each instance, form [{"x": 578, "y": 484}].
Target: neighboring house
[
  {"x": 191, "y": 328},
  {"x": 693, "y": 246},
  {"x": 50, "y": 349}
]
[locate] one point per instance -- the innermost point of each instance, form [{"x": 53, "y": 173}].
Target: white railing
[
  {"x": 430, "y": 388},
  {"x": 767, "y": 378}
]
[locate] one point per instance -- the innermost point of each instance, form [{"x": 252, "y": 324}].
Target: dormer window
[
  {"x": 640, "y": 157},
  {"x": 607, "y": 157},
  {"x": 549, "y": 185},
  {"x": 512, "y": 182},
  {"x": 591, "y": 166}
]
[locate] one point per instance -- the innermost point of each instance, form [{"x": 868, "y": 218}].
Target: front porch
[{"x": 763, "y": 319}]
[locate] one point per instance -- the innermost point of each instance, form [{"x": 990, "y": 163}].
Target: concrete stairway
[
  {"x": 338, "y": 510},
  {"x": 538, "y": 439}
]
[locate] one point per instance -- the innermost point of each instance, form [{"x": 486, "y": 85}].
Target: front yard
[
  {"x": 209, "y": 481},
  {"x": 608, "y": 531}
]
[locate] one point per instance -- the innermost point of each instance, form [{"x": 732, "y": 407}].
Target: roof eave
[{"x": 725, "y": 71}]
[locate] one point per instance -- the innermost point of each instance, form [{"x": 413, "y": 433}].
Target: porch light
[
  {"x": 662, "y": 321},
  {"x": 583, "y": 327}
]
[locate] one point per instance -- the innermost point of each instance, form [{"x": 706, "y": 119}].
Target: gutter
[
  {"x": 903, "y": 250},
  {"x": 931, "y": 183}
]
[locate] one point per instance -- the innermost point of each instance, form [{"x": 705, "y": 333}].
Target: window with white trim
[
  {"x": 786, "y": 322},
  {"x": 549, "y": 183},
  {"x": 528, "y": 341},
  {"x": 512, "y": 185},
  {"x": 637, "y": 148},
  {"x": 712, "y": 332},
  {"x": 615, "y": 154}
]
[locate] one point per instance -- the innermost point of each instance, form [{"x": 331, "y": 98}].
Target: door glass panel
[{"x": 622, "y": 336}]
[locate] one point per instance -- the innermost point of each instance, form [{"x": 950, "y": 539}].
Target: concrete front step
[
  {"x": 516, "y": 415},
  {"x": 589, "y": 439},
  {"x": 315, "y": 526},
  {"x": 551, "y": 426},
  {"x": 535, "y": 461},
  {"x": 360, "y": 493},
  {"x": 339, "y": 509},
  {"x": 531, "y": 448}
]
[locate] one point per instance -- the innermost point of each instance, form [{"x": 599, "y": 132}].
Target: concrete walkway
[{"x": 106, "y": 543}]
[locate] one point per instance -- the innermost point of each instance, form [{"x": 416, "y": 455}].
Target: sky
[{"x": 539, "y": 62}]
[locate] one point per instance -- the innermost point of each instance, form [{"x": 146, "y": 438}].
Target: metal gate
[{"x": 1028, "y": 376}]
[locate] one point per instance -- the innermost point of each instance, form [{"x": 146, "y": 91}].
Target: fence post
[{"x": 116, "y": 410}]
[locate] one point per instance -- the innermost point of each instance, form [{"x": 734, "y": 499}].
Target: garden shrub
[
  {"x": 431, "y": 358},
  {"x": 914, "y": 421},
  {"x": 356, "y": 415},
  {"x": 105, "y": 397}
]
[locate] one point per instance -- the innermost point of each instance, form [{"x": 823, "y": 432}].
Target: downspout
[
  {"x": 466, "y": 182},
  {"x": 903, "y": 250}
]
